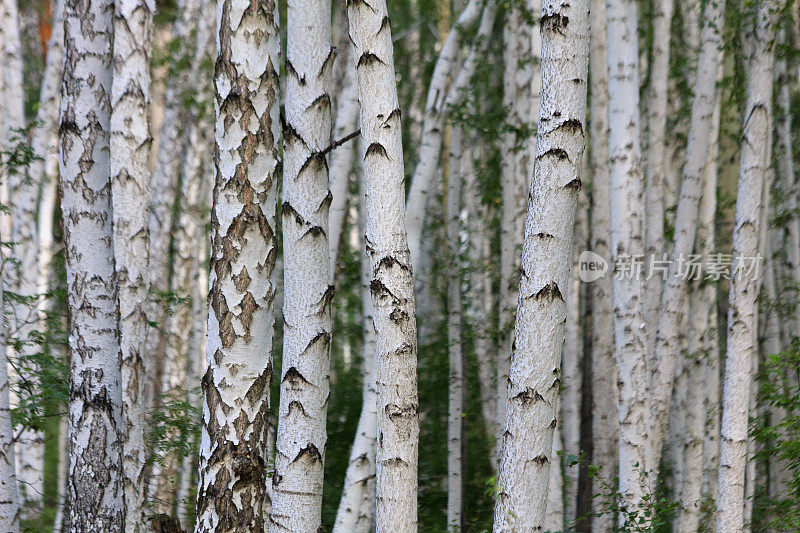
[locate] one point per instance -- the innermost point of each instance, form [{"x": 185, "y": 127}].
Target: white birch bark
[
  {"x": 130, "y": 175},
  {"x": 232, "y": 485},
  {"x": 391, "y": 285},
  {"x": 455, "y": 403},
  {"x": 604, "y": 371},
  {"x": 302, "y": 438},
  {"x": 627, "y": 212},
  {"x": 674, "y": 298},
  {"x": 534, "y": 377},
  {"x": 9, "y": 499},
  {"x": 554, "y": 514},
  {"x": 342, "y": 156},
  {"x": 656, "y": 157},
  {"x": 356, "y": 508},
  {"x": 95, "y": 483},
  {"x": 433, "y": 128},
  {"x": 743, "y": 293}
]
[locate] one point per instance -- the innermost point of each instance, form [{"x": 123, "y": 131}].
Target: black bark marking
[
  {"x": 311, "y": 452},
  {"x": 376, "y": 148},
  {"x": 549, "y": 291},
  {"x": 528, "y": 396},
  {"x": 574, "y": 184},
  {"x": 295, "y": 378},
  {"x": 367, "y": 59},
  {"x": 385, "y": 24},
  {"x": 559, "y": 153}
]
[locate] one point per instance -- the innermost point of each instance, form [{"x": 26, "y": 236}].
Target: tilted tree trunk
[
  {"x": 130, "y": 177},
  {"x": 674, "y": 298},
  {"x": 9, "y": 499},
  {"x": 356, "y": 508},
  {"x": 627, "y": 211},
  {"x": 531, "y": 413},
  {"x": 304, "y": 386},
  {"x": 455, "y": 403},
  {"x": 346, "y": 122},
  {"x": 232, "y": 485},
  {"x": 95, "y": 484},
  {"x": 433, "y": 128},
  {"x": 657, "y": 159},
  {"x": 741, "y": 350},
  {"x": 604, "y": 371},
  {"x": 391, "y": 285}
]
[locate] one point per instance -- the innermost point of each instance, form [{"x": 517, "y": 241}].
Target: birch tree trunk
[
  {"x": 391, "y": 285},
  {"x": 656, "y": 157},
  {"x": 554, "y": 514},
  {"x": 9, "y": 499},
  {"x": 743, "y": 293},
  {"x": 232, "y": 485},
  {"x": 627, "y": 211},
  {"x": 95, "y": 484},
  {"x": 531, "y": 414},
  {"x": 604, "y": 371},
  {"x": 302, "y": 437},
  {"x": 673, "y": 302},
  {"x": 130, "y": 176},
  {"x": 342, "y": 157},
  {"x": 432, "y": 129},
  {"x": 455, "y": 403},
  {"x": 355, "y": 513}
]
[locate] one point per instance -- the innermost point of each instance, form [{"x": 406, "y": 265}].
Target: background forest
[{"x": 468, "y": 79}]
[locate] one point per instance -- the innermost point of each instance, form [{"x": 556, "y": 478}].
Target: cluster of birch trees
[{"x": 437, "y": 265}]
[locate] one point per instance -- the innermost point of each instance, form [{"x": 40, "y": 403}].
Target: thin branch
[{"x": 337, "y": 144}]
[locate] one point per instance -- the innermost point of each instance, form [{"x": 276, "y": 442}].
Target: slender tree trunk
[
  {"x": 130, "y": 177},
  {"x": 675, "y": 291},
  {"x": 604, "y": 371},
  {"x": 342, "y": 157},
  {"x": 433, "y": 128},
  {"x": 302, "y": 437},
  {"x": 455, "y": 409},
  {"x": 627, "y": 210},
  {"x": 391, "y": 285},
  {"x": 657, "y": 160},
  {"x": 232, "y": 486},
  {"x": 95, "y": 484},
  {"x": 742, "y": 311},
  {"x": 355, "y": 513},
  {"x": 9, "y": 499},
  {"x": 531, "y": 415},
  {"x": 554, "y": 514}
]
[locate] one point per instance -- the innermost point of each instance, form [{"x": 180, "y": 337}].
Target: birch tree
[
  {"x": 302, "y": 437},
  {"x": 534, "y": 377},
  {"x": 673, "y": 302},
  {"x": 741, "y": 349},
  {"x": 130, "y": 175},
  {"x": 604, "y": 379},
  {"x": 627, "y": 210},
  {"x": 95, "y": 484},
  {"x": 391, "y": 284},
  {"x": 232, "y": 485},
  {"x": 9, "y": 499}
]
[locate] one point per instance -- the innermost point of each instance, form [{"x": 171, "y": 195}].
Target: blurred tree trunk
[{"x": 9, "y": 499}]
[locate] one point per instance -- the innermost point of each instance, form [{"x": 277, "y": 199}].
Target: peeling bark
[
  {"x": 232, "y": 486},
  {"x": 95, "y": 481},
  {"x": 534, "y": 377}
]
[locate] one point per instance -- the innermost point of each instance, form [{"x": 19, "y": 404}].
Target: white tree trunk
[
  {"x": 130, "y": 177},
  {"x": 554, "y": 514},
  {"x": 531, "y": 415},
  {"x": 455, "y": 403},
  {"x": 604, "y": 371},
  {"x": 391, "y": 285},
  {"x": 95, "y": 485},
  {"x": 433, "y": 128},
  {"x": 232, "y": 486},
  {"x": 342, "y": 157},
  {"x": 742, "y": 311},
  {"x": 304, "y": 386},
  {"x": 627, "y": 211},
  {"x": 356, "y": 508},
  {"x": 656, "y": 158},
  {"x": 9, "y": 499},
  {"x": 674, "y": 298}
]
